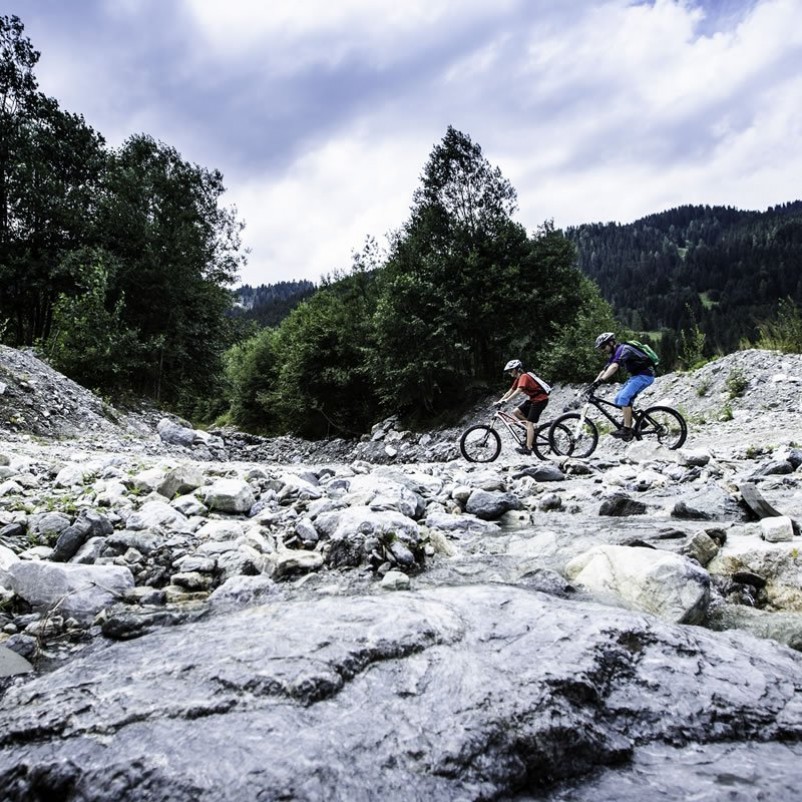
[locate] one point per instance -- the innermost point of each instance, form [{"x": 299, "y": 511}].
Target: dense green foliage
[
  {"x": 116, "y": 263},
  {"x": 178, "y": 252},
  {"x": 422, "y": 331},
  {"x": 783, "y": 332},
  {"x": 50, "y": 166},
  {"x": 715, "y": 268}
]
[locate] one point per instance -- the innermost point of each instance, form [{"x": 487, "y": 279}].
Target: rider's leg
[
  {"x": 531, "y": 411},
  {"x": 626, "y": 395},
  {"x": 521, "y": 415}
]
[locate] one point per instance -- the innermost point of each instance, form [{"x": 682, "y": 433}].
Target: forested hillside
[
  {"x": 722, "y": 269},
  {"x": 269, "y": 304}
]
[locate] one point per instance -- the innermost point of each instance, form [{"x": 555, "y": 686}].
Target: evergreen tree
[
  {"x": 177, "y": 250},
  {"x": 464, "y": 284},
  {"x": 50, "y": 164}
]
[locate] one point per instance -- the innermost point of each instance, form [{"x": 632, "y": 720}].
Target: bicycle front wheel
[
  {"x": 571, "y": 436},
  {"x": 542, "y": 446},
  {"x": 663, "y": 424},
  {"x": 480, "y": 444}
]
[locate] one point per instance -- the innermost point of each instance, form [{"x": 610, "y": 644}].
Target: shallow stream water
[{"x": 743, "y": 772}]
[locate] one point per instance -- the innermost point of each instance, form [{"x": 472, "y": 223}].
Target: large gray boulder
[
  {"x": 229, "y": 495},
  {"x": 356, "y": 534},
  {"x": 475, "y": 692},
  {"x": 79, "y": 591}
]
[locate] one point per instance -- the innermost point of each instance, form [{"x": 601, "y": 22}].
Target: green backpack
[{"x": 647, "y": 350}]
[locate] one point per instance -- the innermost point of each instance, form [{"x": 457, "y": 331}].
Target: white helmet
[
  {"x": 604, "y": 338},
  {"x": 513, "y": 364}
]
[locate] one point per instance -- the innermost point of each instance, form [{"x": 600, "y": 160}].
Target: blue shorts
[{"x": 634, "y": 385}]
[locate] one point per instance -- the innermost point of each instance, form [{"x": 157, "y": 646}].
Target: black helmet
[{"x": 604, "y": 338}]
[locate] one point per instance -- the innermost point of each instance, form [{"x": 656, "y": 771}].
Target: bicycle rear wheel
[
  {"x": 570, "y": 436},
  {"x": 663, "y": 424},
  {"x": 480, "y": 443},
  {"x": 542, "y": 446}
]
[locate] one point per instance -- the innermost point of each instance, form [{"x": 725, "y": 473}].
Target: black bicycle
[
  {"x": 576, "y": 435},
  {"x": 482, "y": 443}
]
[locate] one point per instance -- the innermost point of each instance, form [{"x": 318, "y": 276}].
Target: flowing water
[{"x": 743, "y": 772}]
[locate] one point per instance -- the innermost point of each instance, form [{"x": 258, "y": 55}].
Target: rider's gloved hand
[
  {"x": 497, "y": 403},
  {"x": 594, "y": 385}
]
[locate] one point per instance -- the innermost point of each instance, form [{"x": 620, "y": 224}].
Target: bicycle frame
[
  {"x": 516, "y": 427},
  {"x": 600, "y": 404}
]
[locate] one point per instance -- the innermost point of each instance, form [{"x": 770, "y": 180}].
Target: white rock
[
  {"x": 70, "y": 476},
  {"x": 668, "y": 585},
  {"x": 229, "y": 495},
  {"x": 777, "y": 529},
  {"x": 395, "y": 580},
  {"x": 80, "y": 591},
  {"x": 156, "y": 515}
]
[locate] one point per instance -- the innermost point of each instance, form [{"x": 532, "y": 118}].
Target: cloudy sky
[{"x": 322, "y": 113}]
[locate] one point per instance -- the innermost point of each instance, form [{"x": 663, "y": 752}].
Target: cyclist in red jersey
[{"x": 537, "y": 397}]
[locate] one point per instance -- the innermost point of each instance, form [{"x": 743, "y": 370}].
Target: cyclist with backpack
[
  {"x": 537, "y": 397},
  {"x": 637, "y": 363}
]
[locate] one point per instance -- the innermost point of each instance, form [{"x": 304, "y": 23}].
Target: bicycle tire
[
  {"x": 663, "y": 423},
  {"x": 542, "y": 445},
  {"x": 480, "y": 443},
  {"x": 566, "y": 441}
]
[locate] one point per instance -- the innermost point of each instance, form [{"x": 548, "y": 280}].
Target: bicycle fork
[{"x": 579, "y": 432}]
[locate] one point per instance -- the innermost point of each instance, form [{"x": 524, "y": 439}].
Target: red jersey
[{"x": 532, "y": 389}]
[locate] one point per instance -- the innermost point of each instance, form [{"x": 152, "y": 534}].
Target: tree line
[
  {"x": 115, "y": 262},
  {"x": 426, "y": 328},
  {"x": 269, "y": 304}
]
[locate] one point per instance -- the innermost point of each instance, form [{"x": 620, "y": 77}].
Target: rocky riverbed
[{"x": 192, "y": 615}]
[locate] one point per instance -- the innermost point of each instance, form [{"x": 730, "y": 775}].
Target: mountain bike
[
  {"x": 576, "y": 435},
  {"x": 482, "y": 443}
]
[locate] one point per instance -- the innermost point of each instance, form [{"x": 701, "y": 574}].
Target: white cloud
[
  {"x": 321, "y": 115},
  {"x": 288, "y": 34},
  {"x": 308, "y": 222}
]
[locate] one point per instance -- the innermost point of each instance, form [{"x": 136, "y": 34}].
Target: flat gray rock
[
  {"x": 12, "y": 663},
  {"x": 473, "y": 692}
]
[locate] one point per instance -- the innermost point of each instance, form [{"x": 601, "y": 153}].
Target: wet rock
[
  {"x": 620, "y": 504},
  {"x": 783, "y": 627},
  {"x": 395, "y": 580},
  {"x": 777, "y": 529},
  {"x": 604, "y": 681},
  {"x": 490, "y": 506},
  {"x": 775, "y": 468},
  {"x": 354, "y": 533},
  {"x": 701, "y": 548},
  {"x": 12, "y": 663},
  {"x": 545, "y": 472},
  {"x": 684, "y": 512},
  {"x": 460, "y": 526}
]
